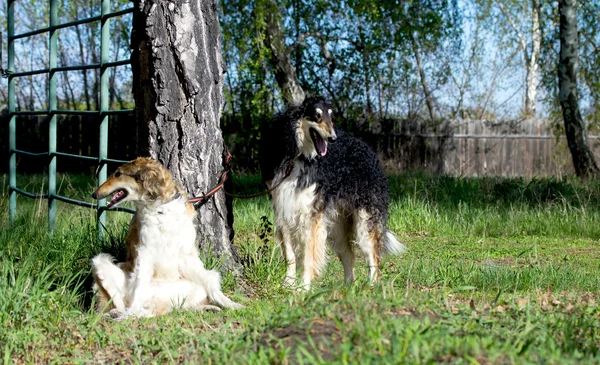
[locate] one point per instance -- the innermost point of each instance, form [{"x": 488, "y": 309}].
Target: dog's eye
[{"x": 118, "y": 173}]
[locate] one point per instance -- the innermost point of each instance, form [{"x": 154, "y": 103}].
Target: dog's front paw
[
  {"x": 129, "y": 313},
  {"x": 208, "y": 308},
  {"x": 235, "y": 305},
  {"x": 290, "y": 282},
  {"x": 117, "y": 315},
  {"x": 114, "y": 314}
]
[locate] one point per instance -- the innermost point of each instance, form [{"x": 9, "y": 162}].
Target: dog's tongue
[
  {"x": 116, "y": 197},
  {"x": 320, "y": 144}
]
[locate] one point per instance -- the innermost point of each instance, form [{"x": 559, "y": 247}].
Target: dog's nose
[
  {"x": 333, "y": 137},
  {"x": 94, "y": 195}
]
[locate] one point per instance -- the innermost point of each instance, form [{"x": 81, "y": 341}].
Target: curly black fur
[{"x": 349, "y": 176}]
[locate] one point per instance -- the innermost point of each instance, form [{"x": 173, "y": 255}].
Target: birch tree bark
[
  {"x": 583, "y": 159},
  {"x": 531, "y": 54},
  {"x": 178, "y": 82},
  {"x": 532, "y": 66}
]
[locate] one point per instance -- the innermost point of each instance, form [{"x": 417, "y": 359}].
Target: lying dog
[
  {"x": 163, "y": 269},
  {"x": 331, "y": 186}
]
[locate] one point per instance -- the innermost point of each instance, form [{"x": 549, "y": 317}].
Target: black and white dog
[{"x": 331, "y": 186}]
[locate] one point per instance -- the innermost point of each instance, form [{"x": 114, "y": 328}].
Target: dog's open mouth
[
  {"x": 319, "y": 142},
  {"x": 117, "y": 197}
]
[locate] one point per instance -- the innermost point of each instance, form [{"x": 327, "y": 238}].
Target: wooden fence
[
  {"x": 75, "y": 134},
  {"x": 476, "y": 147},
  {"x": 459, "y": 147}
]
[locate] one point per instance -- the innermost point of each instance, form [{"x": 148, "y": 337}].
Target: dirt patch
[
  {"x": 321, "y": 336},
  {"x": 409, "y": 312},
  {"x": 318, "y": 336}
]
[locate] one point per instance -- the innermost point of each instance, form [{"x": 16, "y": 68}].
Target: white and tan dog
[{"x": 163, "y": 269}]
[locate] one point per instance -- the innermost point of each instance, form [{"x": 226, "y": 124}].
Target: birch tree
[{"x": 518, "y": 26}]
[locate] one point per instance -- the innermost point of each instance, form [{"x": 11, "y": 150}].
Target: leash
[{"x": 224, "y": 175}]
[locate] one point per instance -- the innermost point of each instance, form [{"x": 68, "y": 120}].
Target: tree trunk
[
  {"x": 583, "y": 159},
  {"x": 532, "y": 62},
  {"x": 178, "y": 91},
  {"x": 285, "y": 75},
  {"x": 428, "y": 99},
  {"x": 86, "y": 85}
]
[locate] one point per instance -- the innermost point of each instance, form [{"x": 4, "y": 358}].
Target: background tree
[
  {"x": 378, "y": 62},
  {"x": 583, "y": 159}
]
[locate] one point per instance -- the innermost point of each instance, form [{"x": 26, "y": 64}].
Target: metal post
[
  {"x": 12, "y": 127},
  {"x": 103, "y": 142},
  {"x": 52, "y": 115}
]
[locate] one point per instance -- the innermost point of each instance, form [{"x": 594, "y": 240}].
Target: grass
[{"x": 497, "y": 271}]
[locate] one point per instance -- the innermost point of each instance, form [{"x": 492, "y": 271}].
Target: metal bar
[
  {"x": 116, "y": 63},
  {"x": 71, "y": 24},
  {"x": 73, "y": 112},
  {"x": 78, "y": 22},
  {"x": 69, "y": 155},
  {"x": 110, "y": 160},
  {"x": 117, "y": 209},
  {"x": 87, "y": 158},
  {"x": 71, "y": 201},
  {"x": 30, "y": 112},
  {"x": 28, "y": 73},
  {"x": 27, "y": 153},
  {"x": 93, "y": 206},
  {"x": 92, "y": 66},
  {"x": 52, "y": 124},
  {"x": 75, "y": 202},
  {"x": 104, "y": 83},
  {"x": 12, "y": 122},
  {"x": 115, "y": 112},
  {"x": 118, "y": 13},
  {"x": 93, "y": 112},
  {"x": 28, "y": 194},
  {"x": 28, "y": 34}
]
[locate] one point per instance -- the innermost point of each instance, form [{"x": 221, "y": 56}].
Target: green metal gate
[{"x": 103, "y": 113}]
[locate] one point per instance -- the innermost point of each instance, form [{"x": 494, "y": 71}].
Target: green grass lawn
[{"x": 497, "y": 271}]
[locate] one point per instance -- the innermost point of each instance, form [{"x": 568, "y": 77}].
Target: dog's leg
[
  {"x": 141, "y": 287},
  {"x": 193, "y": 269},
  {"x": 370, "y": 240},
  {"x": 341, "y": 244},
  {"x": 283, "y": 237},
  {"x": 313, "y": 237},
  {"x": 109, "y": 282}
]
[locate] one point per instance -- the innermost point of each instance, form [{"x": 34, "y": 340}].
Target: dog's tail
[{"x": 391, "y": 244}]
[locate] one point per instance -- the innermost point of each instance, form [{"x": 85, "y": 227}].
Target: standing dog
[
  {"x": 331, "y": 185},
  {"x": 163, "y": 269}
]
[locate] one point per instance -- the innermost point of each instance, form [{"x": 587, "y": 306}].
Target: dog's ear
[{"x": 151, "y": 179}]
